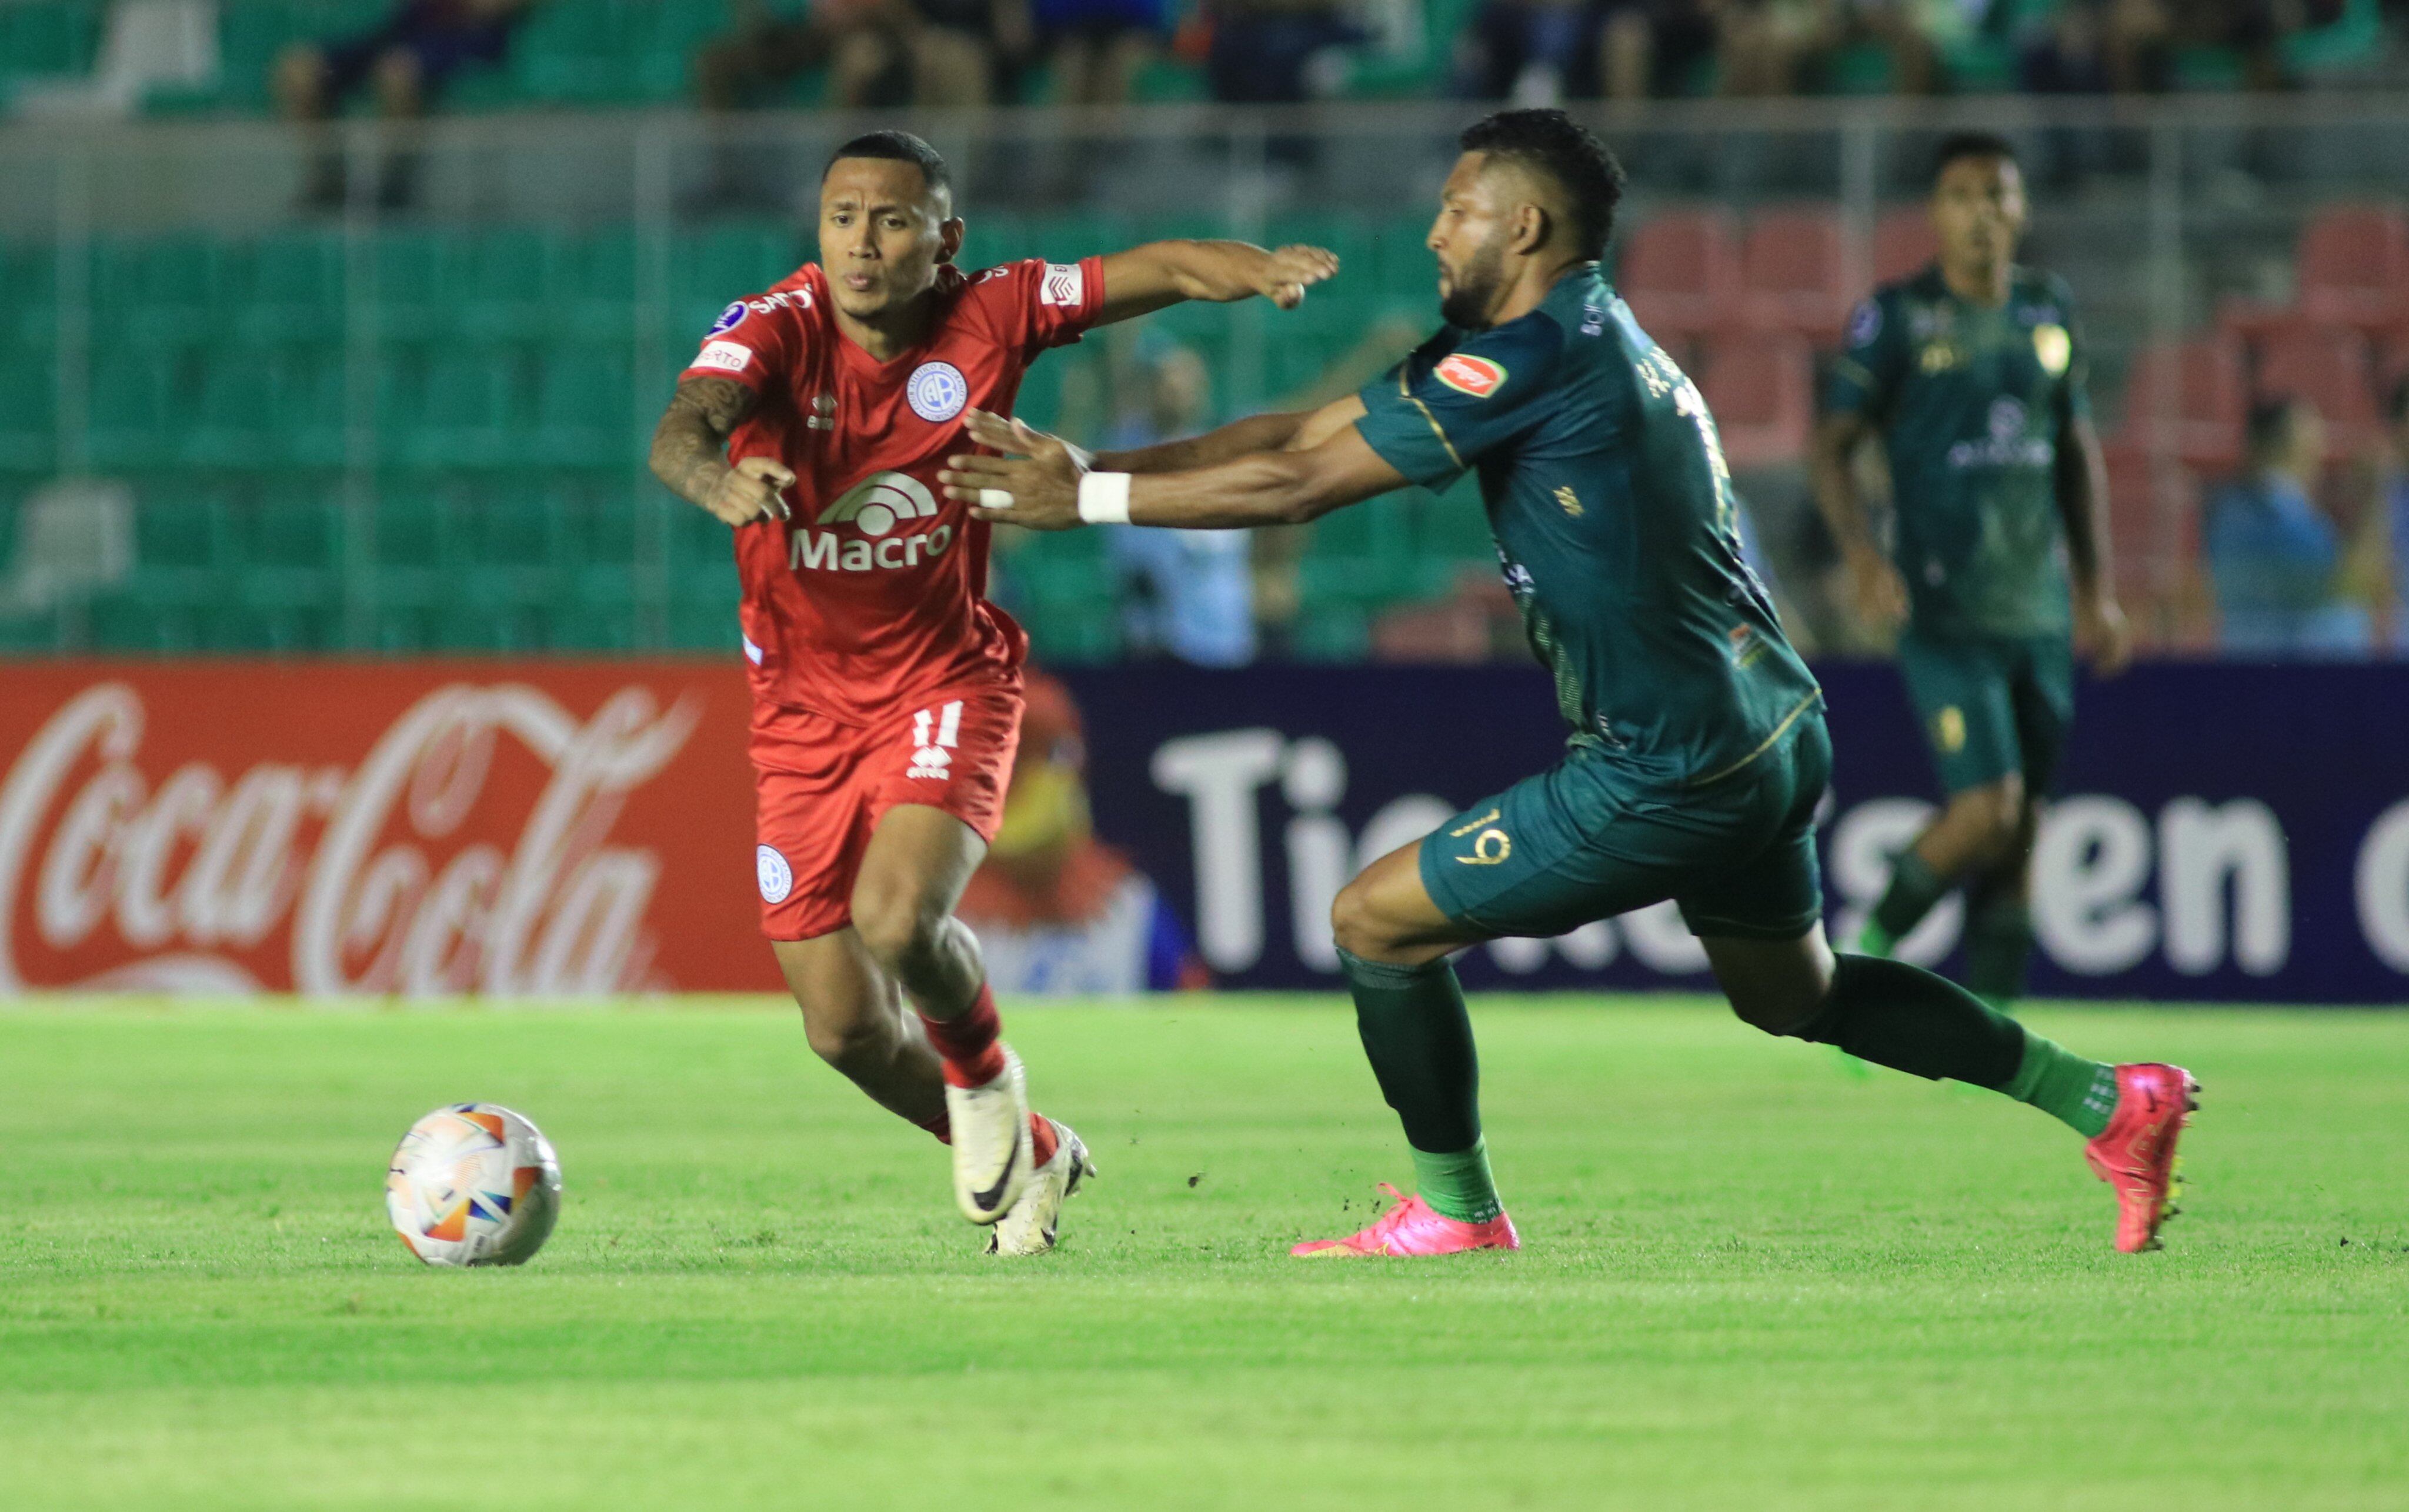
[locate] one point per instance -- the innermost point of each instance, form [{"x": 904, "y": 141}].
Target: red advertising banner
[{"x": 535, "y": 829}]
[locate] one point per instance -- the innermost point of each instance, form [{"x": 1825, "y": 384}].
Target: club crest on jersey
[
  {"x": 2052, "y": 348},
  {"x": 1475, "y": 375},
  {"x": 727, "y": 321},
  {"x": 770, "y": 869},
  {"x": 937, "y": 392}
]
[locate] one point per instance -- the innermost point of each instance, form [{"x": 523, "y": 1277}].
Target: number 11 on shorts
[{"x": 934, "y": 759}]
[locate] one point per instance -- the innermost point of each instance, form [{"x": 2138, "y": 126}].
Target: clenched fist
[{"x": 753, "y": 489}]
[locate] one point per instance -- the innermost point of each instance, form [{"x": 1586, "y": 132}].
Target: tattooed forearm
[{"x": 693, "y": 433}]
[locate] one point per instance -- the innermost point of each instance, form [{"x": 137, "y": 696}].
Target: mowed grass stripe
[{"x": 1753, "y": 1276}]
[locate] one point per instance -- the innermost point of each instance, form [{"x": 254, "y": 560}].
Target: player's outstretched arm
[
  {"x": 1041, "y": 487},
  {"x": 1296, "y": 430},
  {"x": 2100, "y": 629},
  {"x": 1161, "y": 273},
  {"x": 1879, "y": 593},
  {"x": 687, "y": 454}
]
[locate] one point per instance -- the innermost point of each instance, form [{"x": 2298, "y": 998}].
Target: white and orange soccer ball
[{"x": 473, "y": 1184}]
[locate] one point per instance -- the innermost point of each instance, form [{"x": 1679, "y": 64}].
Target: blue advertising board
[{"x": 2220, "y": 832}]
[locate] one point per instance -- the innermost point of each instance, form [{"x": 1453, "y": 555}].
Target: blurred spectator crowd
[{"x": 308, "y": 56}]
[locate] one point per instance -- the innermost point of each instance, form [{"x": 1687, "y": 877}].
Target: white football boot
[
  {"x": 992, "y": 1159},
  {"x": 1029, "y": 1228}
]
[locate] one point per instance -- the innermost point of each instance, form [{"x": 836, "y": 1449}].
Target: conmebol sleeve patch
[{"x": 1475, "y": 375}]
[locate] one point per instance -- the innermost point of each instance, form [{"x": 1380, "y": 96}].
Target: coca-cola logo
[{"x": 375, "y": 876}]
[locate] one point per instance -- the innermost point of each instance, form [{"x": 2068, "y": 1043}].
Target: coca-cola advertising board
[{"x": 377, "y": 829}]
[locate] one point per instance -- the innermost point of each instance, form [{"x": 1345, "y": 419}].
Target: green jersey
[
  {"x": 1612, "y": 511},
  {"x": 1973, "y": 403}
]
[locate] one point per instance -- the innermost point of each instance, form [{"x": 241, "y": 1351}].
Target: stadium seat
[
  {"x": 134, "y": 406},
  {"x": 2153, "y": 524},
  {"x": 163, "y": 290},
  {"x": 1681, "y": 273},
  {"x": 28, "y": 293},
  {"x": 28, "y": 410},
  {"x": 1761, "y": 392},
  {"x": 583, "y": 402},
  {"x": 2330, "y": 367},
  {"x": 2353, "y": 266},
  {"x": 183, "y": 528},
  {"x": 2187, "y": 400},
  {"x": 285, "y": 287},
  {"x": 498, "y": 285},
  {"x": 1904, "y": 244},
  {"x": 1793, "y": 269}
]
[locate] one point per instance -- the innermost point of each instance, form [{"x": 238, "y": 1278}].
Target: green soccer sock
[
  {"x": 1905, "y": 1017},
  {"x": 2078, "y": 1092},
  {"x": 1998, "y": 942},
  {"x": 1913, "y": 889},
  {"x": 1419, "y": 1039},
  {"x": 1459, "y": 1185}
]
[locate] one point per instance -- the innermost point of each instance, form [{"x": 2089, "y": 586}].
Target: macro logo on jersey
[
  {"x": 937, "y": 393},
  {"x": 1475, "y": 375},
  {"x": 770, "y": 869},
  {"x": 1064, "y": 287},
  {"x": 873, "y": 507}
]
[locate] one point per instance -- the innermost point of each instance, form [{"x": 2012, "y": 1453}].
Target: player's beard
[{"x": 1472, "y": 289}]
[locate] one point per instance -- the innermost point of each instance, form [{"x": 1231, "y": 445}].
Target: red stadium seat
[
  {"x": 2331, "y": 368},
  {"x": 1681, "y": 273},
  {"x": 1795, "y": 269},
  {"x": 2353, "y": 266},
  {"x": 1904, "y": 243},
  {"x": 2187, "y": 400},
  {"x": 1761, "y": 390}
]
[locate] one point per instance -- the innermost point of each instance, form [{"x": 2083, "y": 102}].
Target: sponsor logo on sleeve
[
  {"x": 1063, "y": 286},
  {"x": 1475, "y": 375},
  {"x": 776, "y": 877},
  {"x": 2053, "y": 348},
  {"x": 937, "y": 392},
  {"x": 728, "y": 356},
  {"x": 1865, "y": 322},
  {"x": 728, "y": 319}
]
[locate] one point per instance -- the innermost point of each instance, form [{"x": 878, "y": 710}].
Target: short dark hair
[
  {"x": 2269, "y": 422},
  {"x": 1556, "y": 145},
  {"x": 897, "y": 147},
  {"x": 1965, "y": 144}
]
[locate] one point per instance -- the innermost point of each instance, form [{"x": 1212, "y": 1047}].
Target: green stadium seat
[
  {"x": 294, "y": 527},
  {"x": 499, "y": 286},
  {"x": 583, "y": 405},
  {"x": 167, "y": 289},
  {"x": 134, "y": 406},
  {"x": 181, "y": 527},
  {"x": 286, "y": 287},
  {"x": 727, "y": 262},
  {"x": 592, "y": 290},
  {"x": 48, "y": 38},
  {"x": 28, "y": 293},
  {"x": 448, "y": 405},
  {"x": 413, "y": 530},
  {"x": 28, "y": 410}
]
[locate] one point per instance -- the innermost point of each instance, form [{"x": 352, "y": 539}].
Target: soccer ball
[{"x": 473, "y": 1184}]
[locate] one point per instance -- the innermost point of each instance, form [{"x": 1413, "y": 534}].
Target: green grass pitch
[{"x": 1753, "y": 1277}]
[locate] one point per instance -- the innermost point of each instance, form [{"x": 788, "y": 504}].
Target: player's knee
[
  {"x": 897, "y": 927},
  {"x": 1993, "y": 815},
  {"x": 1352, "y": 923},
  {"x": 846, "y": 1039}
]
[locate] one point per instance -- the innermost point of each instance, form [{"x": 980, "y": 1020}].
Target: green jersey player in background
[
  {"x": 1972, "y": 373},
  {"x": 1694, "y": 753}
]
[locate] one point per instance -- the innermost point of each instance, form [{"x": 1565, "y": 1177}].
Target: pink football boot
[
  {"x": 2136, "y": 1153},
  {"x": 1411, "y": 1228}
]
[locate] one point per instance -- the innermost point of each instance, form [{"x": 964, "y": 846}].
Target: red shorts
[{"x": 820, "y": 788}]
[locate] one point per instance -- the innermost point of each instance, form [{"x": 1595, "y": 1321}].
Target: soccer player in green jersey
[
  {"x": 1695, "y": 752},
  {"x": 1972, "y": 373}
]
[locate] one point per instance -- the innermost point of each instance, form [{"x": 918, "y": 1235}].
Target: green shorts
[
  {"x": 1575, "y": 843},
  {"x": 1991, "y": 705}
]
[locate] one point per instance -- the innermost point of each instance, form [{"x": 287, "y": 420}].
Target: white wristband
[{"x": 1103, "y": 497}]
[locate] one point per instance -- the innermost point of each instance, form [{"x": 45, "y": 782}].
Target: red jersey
[{"x": 874, "y": 592}]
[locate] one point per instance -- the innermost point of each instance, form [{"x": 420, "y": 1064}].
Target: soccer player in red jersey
[{"x": 885, "y": 688}]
